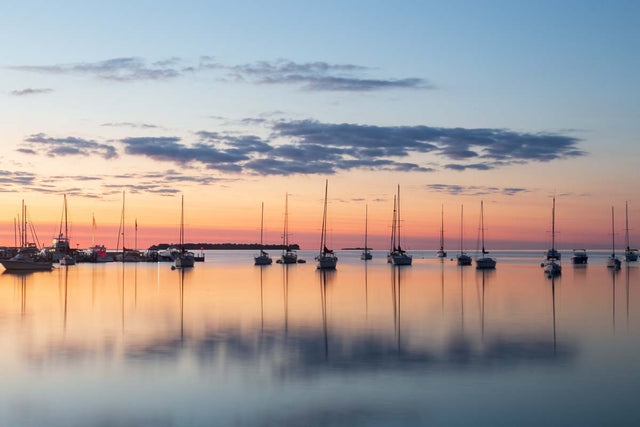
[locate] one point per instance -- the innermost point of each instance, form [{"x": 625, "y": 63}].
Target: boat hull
[
  {"x": 366, "y": 256},
  {"x": 399, "y": 259},
  {"x": 184, "y": 262},
  {"x": 326, "y": 262},
  {"x": 464, "y": 260},
  {"x": 485, "y": 263},
  {"x": 613, "y": 262},
  {"x": 289, "y": 258},
  {"x": 441, "y": 254},
  {"x": 552, "y": 269},
  {"x": 262, "y": 260},
  {"x": 630, "y": 255},
  {"x": 23, "y": 265}
]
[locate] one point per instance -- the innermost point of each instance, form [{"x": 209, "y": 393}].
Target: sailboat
[
  {"x": 630, "y": 255},
  {"x": 60, "y": 248},
  {"x": 29, "y": 257},
  {"x": 184, "y": 259},
  {"x": 366, "y": 255},
  {"x": 326, "y": 259},
  {"x": 288, "y": 256},
  {"x": 441, "y": 252},
  {"x": 463, "y": 258},
  {"x": 397, "y": 256},
  {"x": 613, "y": 261},
  {"x": 484, "y": 262},
  {"x": 263, "y": 258},
  {"x": 551, "y": 267}
]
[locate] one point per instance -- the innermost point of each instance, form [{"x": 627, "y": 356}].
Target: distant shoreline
[{"x": 223, "y": 246}]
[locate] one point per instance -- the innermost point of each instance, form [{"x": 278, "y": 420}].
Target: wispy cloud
[
  {"x": 31, "y": 91},
  {"x": 131, "y": 125},
  {"x": 475, "y": 190},
  {"x": 316, "y": 76},
  {"x": 69, "y": 146},
  {"x": 117, "y": 69}
]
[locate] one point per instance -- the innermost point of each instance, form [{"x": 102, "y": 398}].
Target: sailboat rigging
[
  {"x": 630, "y": 254},
  {"x": 288, "y": 256},
  {"x": 484, "y": 262},
  {"x": 366, "y": 255},
  {"x": 613, "y": 261},
  {"x": 326, "y": 259},
  {"x": 441, "y": 252},
  {"x": 551, "y": 267},
  {"x": 185, "y": 259},
  {"x": 463, "y": 258},
  {"x": 263, "y": 258},
  {"x": 397, "y": 256}
]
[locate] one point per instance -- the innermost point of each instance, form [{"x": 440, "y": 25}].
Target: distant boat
[
  {"x": 463, "y": 258},
  {"x": 579, "y": 257},
  {"x": 484, "y": 262},
  {"x": 630, "y": 254},
  {"x": 263, "y": 258},
  {"x": 185, "y": 259},
  {"x": 551, "y": 266},
  {"x": 326, "y": 259},
  {"x": 366, "y": 255},
  {"x": 441, "y": 252},
  {"x": 397, "y": 256},
  {"x": 60, "y": 247},
  {"x": 288, "y": 256},
  {"x": 29, "y": 257},
  {"x": 613, "y": 261}
]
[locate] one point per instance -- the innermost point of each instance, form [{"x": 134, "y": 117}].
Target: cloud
[
  {"x": 15, "y": 177},
  {"x": 124, "y": 69},
  {"x": 474, "y": 190},
  {"x": 131, "y": 125},
  {"x": 69, "y": 146},
  {"x": 314, "y": 76},
  {"x": 30, "y": 91}
]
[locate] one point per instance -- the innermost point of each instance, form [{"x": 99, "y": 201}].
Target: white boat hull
[
  {"x": 613, "y": 262},
  {"x": 552, "y": 269}
]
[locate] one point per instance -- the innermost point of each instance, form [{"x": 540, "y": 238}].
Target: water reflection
[{"x": 392, "y": 330}]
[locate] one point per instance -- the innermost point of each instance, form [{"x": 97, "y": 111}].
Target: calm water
[{"x": 228, "y": 343}]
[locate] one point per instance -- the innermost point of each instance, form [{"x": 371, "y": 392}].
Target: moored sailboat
[
  {"x": 630, "y": 254},
  {"x": 613, "y": 261},
  {"x": 484, "y": 262},
  {"x": 29, "y": 257},
  {"x": 551, "y": 266},
  {"x": 462, "y": 258},
  {"x": 326, "y": 259},
  {"x": 441, "y": 252},
  {"x": 397, "y": 256},
  {"x": 366, "y": 255},
  {"x": 288, "y": 256},
  {"x": 185, "y": 259},
  {"x": 263, "y": 258}
]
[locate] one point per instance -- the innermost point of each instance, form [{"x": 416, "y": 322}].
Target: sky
[{"x": 235, "y": 103}]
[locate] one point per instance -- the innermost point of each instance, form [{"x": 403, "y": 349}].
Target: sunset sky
[{"x": 235, "y": 103}]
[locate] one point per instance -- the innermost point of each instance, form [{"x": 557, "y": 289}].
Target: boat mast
[
  {"x": 323, "y": 234},
  {"x": 66, "y": 226},
  {"x": 553, "y": 226},
  {"x": 398, "y": 221},
  {"x": 393, "y": 226},
  {"x": 285, "y": 234},
  {"x": 442, "y": 229},
  {"x": 182, "y": 226},
  {"x": 461, "y": 227},
  {"x": 23, "y": 242},
  {"x": 613, "y": 235},
  {"x": 482, "y": 224},
  {"x": 135, "y": 247},
  {"x": 366, "y": 215},
  {"x": 93, "y": 229},
  {"x": 626, "y": 227},
  {"x": 123, "y": 227},
  {"x": 261, "y": 227}
]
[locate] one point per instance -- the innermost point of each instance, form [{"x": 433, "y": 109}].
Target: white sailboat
[
  {"x": 463, "y": 258},
  {"x": 326, "y": 259},
  {"x": 366, "y": 255},
  {"x": 29, "y": 257},
  {"x": 441, "y": 252},
  {"x": 185, "y": 259},
  {"x": 289, "y": 256},
  {"x": 613, "y": 261},
  {"x": 484, "y": 262},
  {"x": 551, "y": 266},
  {"x": 630, "y": 254},
  {"x": 263, "y": 258},
  {"x": 397, "y": 256}
]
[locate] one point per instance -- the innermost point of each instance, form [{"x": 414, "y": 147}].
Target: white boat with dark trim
[{"x": 326, "y": 259}]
